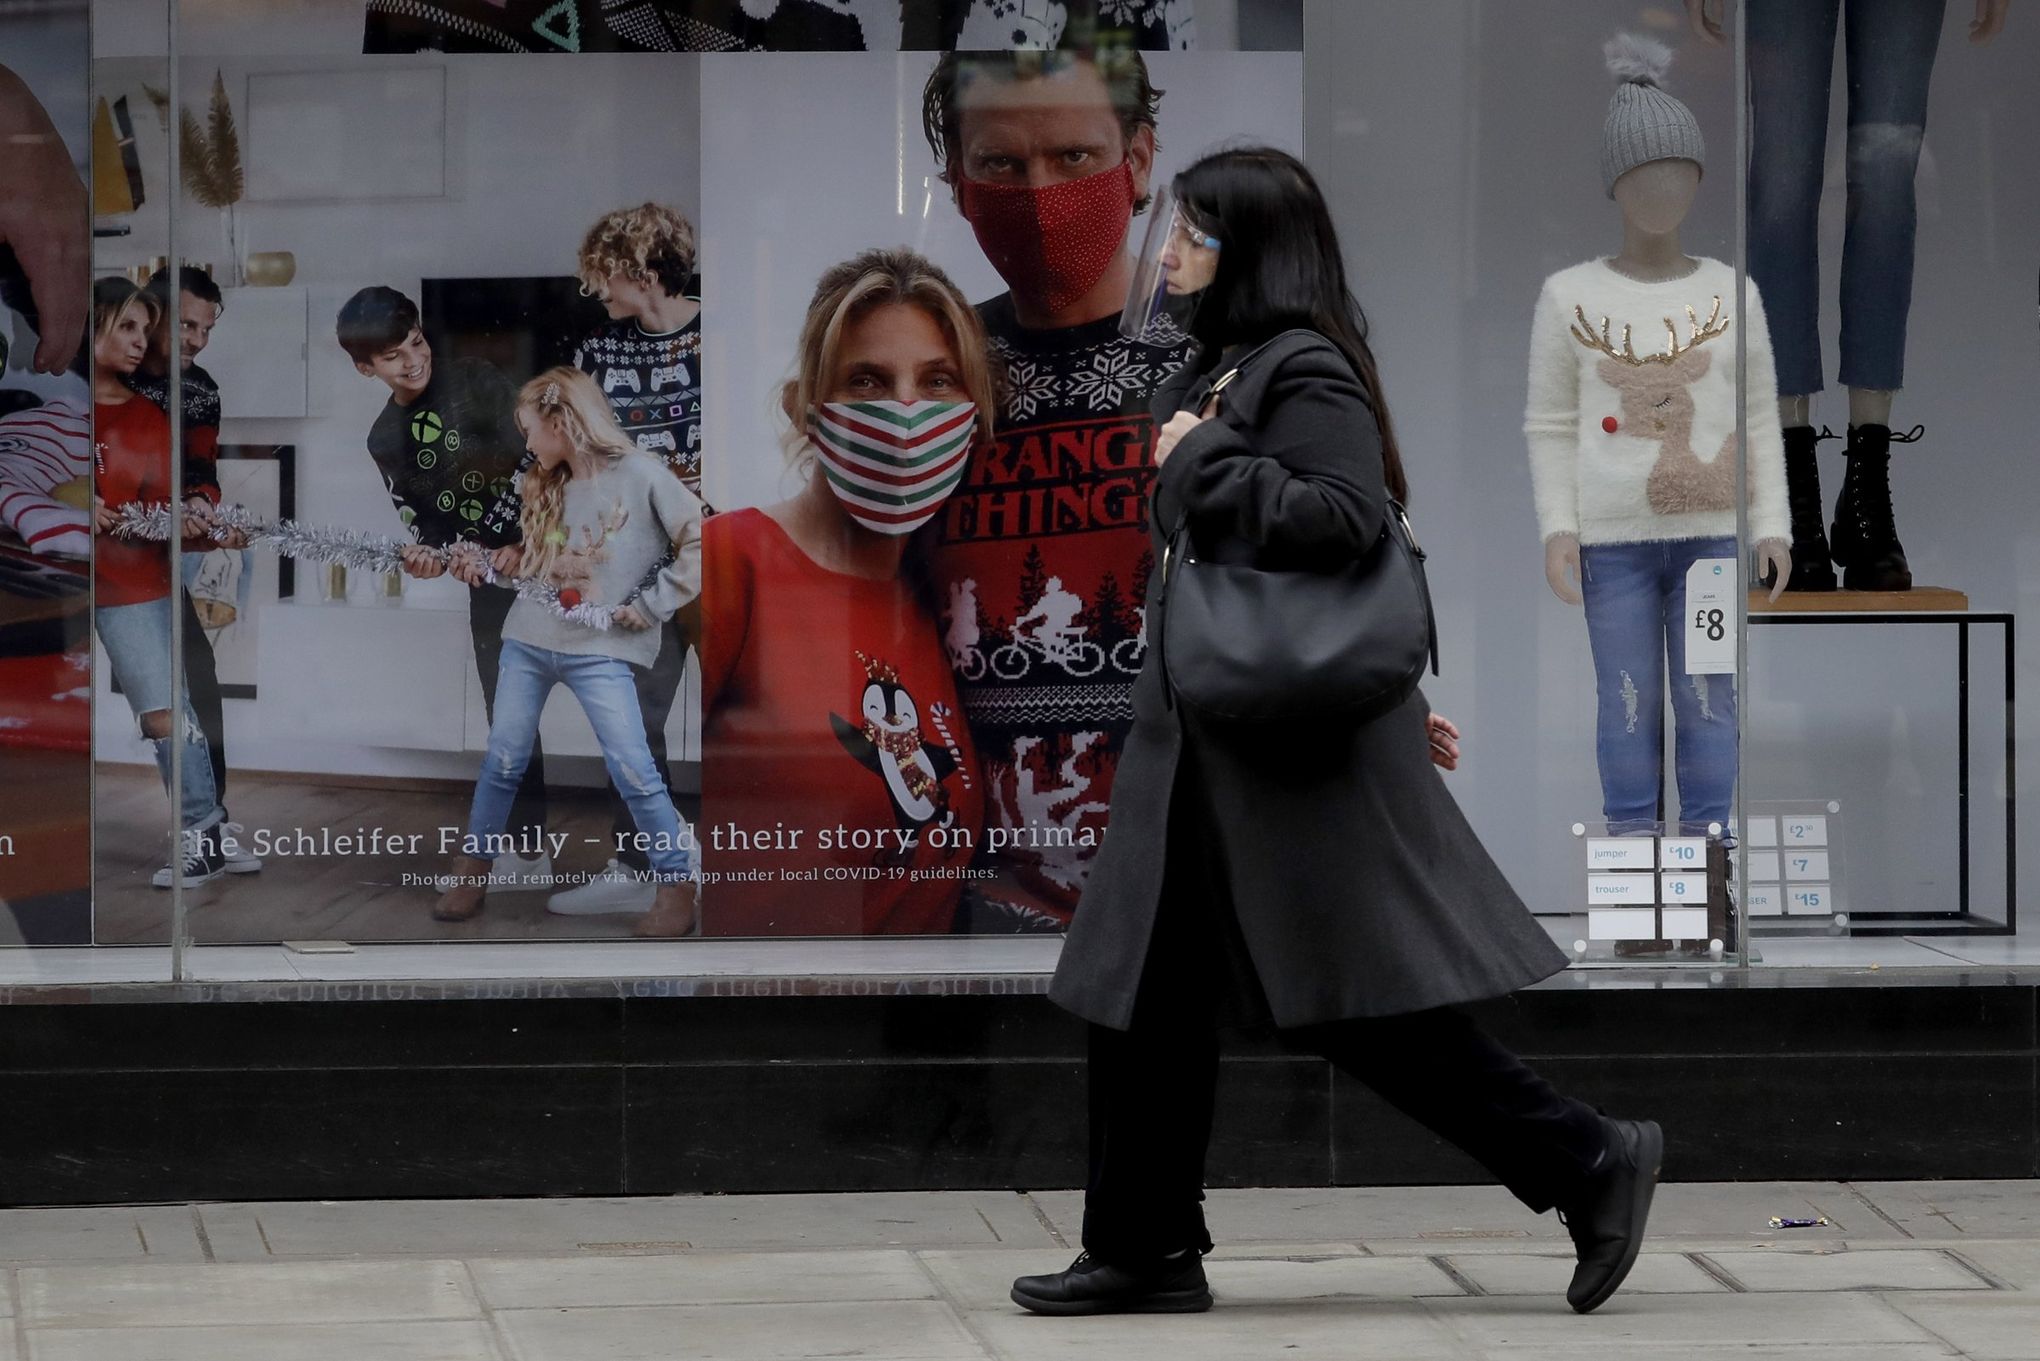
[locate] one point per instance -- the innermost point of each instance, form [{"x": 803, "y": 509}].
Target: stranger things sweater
[
  {"x": 1631, "y": 416},
  {"x": 1041, "y": 559}
]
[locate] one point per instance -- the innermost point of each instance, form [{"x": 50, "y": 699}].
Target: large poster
[
  {"x": 45, "y": 536},
  {"x": 931, "y": 454},
  {"x": 439, "y": 347}
]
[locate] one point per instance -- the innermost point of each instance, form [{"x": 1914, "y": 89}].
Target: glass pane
[
  {"x": 1543, "y": 235},
  {"x": 47, "y": 124},
  {"x": 1890, "y": 197}
]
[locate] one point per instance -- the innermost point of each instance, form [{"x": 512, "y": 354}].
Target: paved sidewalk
[{"x": 1903, "y": 1272}]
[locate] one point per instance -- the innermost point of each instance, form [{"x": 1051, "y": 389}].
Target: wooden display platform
[{"x": 1919, "y": 600}]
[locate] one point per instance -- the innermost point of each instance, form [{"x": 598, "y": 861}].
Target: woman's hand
[
  {"x": 103, "y": 518},
  {"x": 1180, "y": 424},
  {"x": 505, "y": 561},
  {"x": 628, "y": 617},
  {"x": 468, "y": 564},
  {"x": 1444, "y": 741},
  {"x": 421, "y": 562}
]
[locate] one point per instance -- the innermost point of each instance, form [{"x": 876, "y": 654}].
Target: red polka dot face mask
[{"x": 1052, "y": 244}]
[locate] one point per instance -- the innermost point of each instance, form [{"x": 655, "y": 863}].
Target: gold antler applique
[{"x": 1603, "y": 343}]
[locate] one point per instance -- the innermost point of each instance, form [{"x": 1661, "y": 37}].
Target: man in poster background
[{"x": 1042, "y": 555}]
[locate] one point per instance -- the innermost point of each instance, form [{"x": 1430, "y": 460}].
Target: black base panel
[{"x": 337, "y": 1100}]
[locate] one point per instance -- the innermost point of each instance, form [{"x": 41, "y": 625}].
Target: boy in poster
[
  {"x": 647, "y": 360},
  {"x": 448, "y": 447},
  {"x": 1042, "y": 556}
]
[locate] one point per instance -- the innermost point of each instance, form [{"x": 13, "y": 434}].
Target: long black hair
[{"x": 1279, "y": 267}]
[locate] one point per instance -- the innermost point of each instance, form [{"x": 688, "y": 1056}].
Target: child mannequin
[{"x": 1631, "y": 422}]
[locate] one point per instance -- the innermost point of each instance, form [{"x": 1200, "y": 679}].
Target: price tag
[
  {"x": 1806, "y": 831},
  {"x": 1764, "y": 868},
  {"x": 1803, "y": 866},
  {"x": 1627, "y": 890},
  {"x": 1764, "y": 901},
  {"x": 1684, "y": 852},
  {"x": 1621, "y": 853},
  {"x": 1684, "y": 888},
  {"x": 1809, "y": 900},
  {"x": 1762, "y": 831},
  {"x": 1711, "y": 591}
]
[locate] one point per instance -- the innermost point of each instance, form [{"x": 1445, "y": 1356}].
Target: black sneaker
[
  {"x": 1607, "y": 1222},
  {"x": 199, "y": 860},
  {"x": 1092, "y": 1286}
]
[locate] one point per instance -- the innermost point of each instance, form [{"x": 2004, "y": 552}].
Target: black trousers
[
  {"x": 1153, "y": 1086},
  {"x": 202, "y": 688},
  {"x": 488, "y": 607},
  {"x": 656, "y": 690}
]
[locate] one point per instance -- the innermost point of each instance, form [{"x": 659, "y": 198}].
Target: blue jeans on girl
[
  {"x": 137, "y": 643},
  {"x": 1636, "y": 610},
  {"x": 1890, "y": 52},
  {"x": 607, "y": 692}
]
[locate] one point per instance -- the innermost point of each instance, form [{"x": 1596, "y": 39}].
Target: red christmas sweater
[
  {"x": 840, "y": 793},
  {"x": 1042, "y": 563},
  {"x": 132, "y": 453}
]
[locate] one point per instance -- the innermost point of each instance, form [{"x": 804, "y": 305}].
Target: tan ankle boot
[
  {"x": 673, "y": 911},
  {"x": 463, "y": 901}
]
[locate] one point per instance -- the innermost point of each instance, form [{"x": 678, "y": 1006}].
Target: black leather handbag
[{"x": 1244, "y": 645}]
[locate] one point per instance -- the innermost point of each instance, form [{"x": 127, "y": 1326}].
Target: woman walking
[{"x": 1314, "y": 878}]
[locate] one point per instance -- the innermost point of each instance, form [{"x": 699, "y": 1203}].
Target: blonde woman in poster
[{"x": 841, "y": 793}]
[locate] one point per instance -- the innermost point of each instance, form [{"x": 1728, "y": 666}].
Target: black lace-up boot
[
  {"x": 1812, "y": 568},
  {"x": 1865, "y": 535}
]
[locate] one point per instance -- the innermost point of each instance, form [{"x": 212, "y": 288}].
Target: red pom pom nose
[
  {"x": 1610, "y": 424},
  {"x": 570, "y": 597}
]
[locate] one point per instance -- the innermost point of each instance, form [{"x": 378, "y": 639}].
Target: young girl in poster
[
  {"x": 131, "y": 577},
  {"x": 606, "y": 524},
  {"x": 844, "y": 790}
]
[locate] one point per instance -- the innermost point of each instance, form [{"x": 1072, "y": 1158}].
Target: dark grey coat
[{"x": 1357, "y": 885}]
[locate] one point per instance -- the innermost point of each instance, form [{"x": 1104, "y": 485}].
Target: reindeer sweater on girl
[
  {"x": 1631, "y": 412},
  {"x": 618, "y": 524}
]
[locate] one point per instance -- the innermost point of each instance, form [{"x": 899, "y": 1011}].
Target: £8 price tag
[{"x": 1710, "y": 616}]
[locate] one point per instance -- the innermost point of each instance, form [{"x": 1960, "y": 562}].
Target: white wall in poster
[{"x": 809, "y": 158}]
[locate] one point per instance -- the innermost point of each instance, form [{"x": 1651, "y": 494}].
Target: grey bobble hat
[{"x": 1644, "y": 123}]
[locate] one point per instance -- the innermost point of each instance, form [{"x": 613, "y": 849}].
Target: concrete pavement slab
[
  {"x": 536, "y": 1228},
  {"x": 1629, "y": 1323},
  {"x": 2014, "y": 1264},
  {"x": 1801, "y": 1270},
  {"x": 1546, "y": 1274},
  {"x": 1958, "y": 1209},
  {"x": 701, "y": 1278},
  {"x": 977, "y": 1281},
  {"x": 467, "y": 1341},
  {"x": 144, "y": 1233},
  {"x": 245, "y": 1294},
  {"x": 882, "y": 1331},
  {"x": 1997, "y": 1327},
  {"x": 1361, "y": 1329}
]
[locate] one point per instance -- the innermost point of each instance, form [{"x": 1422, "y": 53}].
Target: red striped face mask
[{"x": 893, "y": 464}]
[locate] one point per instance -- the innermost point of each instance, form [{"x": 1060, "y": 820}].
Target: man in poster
[{"x": 1042, "y": 556}]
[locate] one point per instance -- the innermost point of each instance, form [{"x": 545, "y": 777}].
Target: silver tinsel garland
[{"x": 361, "y": 551}]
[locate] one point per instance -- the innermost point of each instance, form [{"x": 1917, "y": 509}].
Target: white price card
[
  {"x": 1809, "y": 900},
  {"x": 1684, "y": 923},
  {"x": 1804, "y": 866},
  {"x": 1764, "y": 900},
  {"x": 1624, "y": 890},
  {"x": 1622, "y": 923},
  {"x": 1684, "y": 852},
  {"x": 1680, "y": 889},
  {"x": 1711, "y": 591},
  {"x": 1764, "y": 867},
  {"x": 1622, "y": 853},
  {"x": 1806, "y": 831},
  {"x": 1761, "y": 831}
]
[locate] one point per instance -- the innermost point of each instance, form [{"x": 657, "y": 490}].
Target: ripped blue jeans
[
  {"x": 137, "y": 643},
  {"x": 1636, "y": 606},
  {"x": 608, "y": 695},
  {"x": 1889, "y": 47}
]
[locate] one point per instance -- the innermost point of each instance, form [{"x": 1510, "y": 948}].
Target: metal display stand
[{"x": 1927, "y": 605}]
